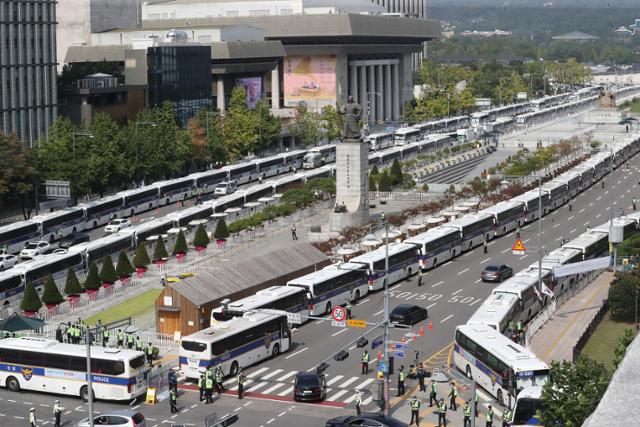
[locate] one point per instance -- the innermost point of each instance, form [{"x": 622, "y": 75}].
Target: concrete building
[{"x": 27, "y": 68}]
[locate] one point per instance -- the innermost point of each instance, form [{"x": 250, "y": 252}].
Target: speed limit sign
[{"x": 339, "y": 314}]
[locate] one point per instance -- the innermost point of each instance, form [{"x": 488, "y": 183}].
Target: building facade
[{"x": 27, "y": 68}]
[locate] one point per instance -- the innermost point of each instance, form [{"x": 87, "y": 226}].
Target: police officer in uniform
[
  {"x": 208, "y": 384},
  {"x": 421, "y": 374},
  {"x": 365, "y": 363},
  {"x": 402, "y": 375},
  {"x": 129, "y": 340},
  {"x": 173, "y": 401},
  {"x": 348, "y": 307},
  {"x": 453, "y": 394},
  {"x": 467, "y": 413},
  {"x": 442, "y": 413},
  {"x": 120, "y": 338},
  {"x": 485, "y": 245},
  {"x": 433, "y": 393},
  {"x": 475, "y": 404},
  {"x": 105, "y": 337},
  {"x": 219, "y": 384},
  {"x": 57, "y": 413},
  {"x": 241, "y": 379},
  {"x": 32, "y": 417},
  {"x": 138, "y": 343},
  {"x": 415, "y": 410},
  {"x": 358, "y": 400},
  {"x": 506, "y": 417},
  {"x": 201, "y": 388},
  {"x": 420, "y": 274},
  {"x": 149, "y": 353},
  {"x": 173, "y": 380},
  {"x": 489, "y": 417},
  {"x": 208, "y": 374}
]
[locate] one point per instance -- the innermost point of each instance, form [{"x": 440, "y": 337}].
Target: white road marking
[
  {"x": 349, "y": 381},
  {"x": 431, "y": 305},
  {"x": 525, "y": 241},
  {"x": 478, "y": 281},
  {"x": 475, "y": 302},
  {"x": 437, "y": 284},
  {"x": 483, "y": 261},
  {"x": 256, "y": 373},
  {"x": 572, "y": 231},
  {"x": 598, "y": 216},
  {"x": 334, "y": 379},
  {"x": 559, "y": 238},
  {"x": 586, "y": 223},
  {"x": 463, "y": 271},
  {"x": 286, "y": 391},
  {"x": 581, "y": 210},
  {"x": 271, "y": 420},
  {"x": 458, "y": 291},
  {"x": 334, "y": 397},
  {"x": 599, "y": 197},
  {"x": 274, "y": 373},
  {"x": 284, "y": 377},
  {"x": 375, "y": 314},
  {"x": 523, "y": 256},
  {"x": 590, "y": 204},
  {"x": 447, "y": 263},
  {"x": 505, "y": 251},
  {"x": 363, "y": 301},
  {"x": 282, "y": 413},
  {"x": 296, "y": 353},
  {"x": 257, "y": 386},
  {"x": 446, "y": 318},
  {"x": 469, "y": 253},
  {"x": 339, "y": 332},
  {"x": 271, "y": 389},
  {"x": 570, "y": 218}
]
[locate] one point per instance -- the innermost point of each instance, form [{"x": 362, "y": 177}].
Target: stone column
[
  {"x": 275, "y": 88},
  {"x": 362, "y": 97},
  {"x": 353, "y": 90},
  {"x": 380, "y": 90},
  {"x": 395, "y": 91},
  {"x": 388, "y": 93},
  {"x": 372, "y": 93},
  {"x": 220, "y": 94}
]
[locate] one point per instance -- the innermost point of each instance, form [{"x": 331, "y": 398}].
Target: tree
[
  {"x": 396, "y": 173},
  {"x": 241, "y": 126},
  {"x": 17, "y": 173},
  {"x": 141, "y": 258},
  {"x": 385, "y": 182},
  {"x": 201, "y": 239},
  {"x": 374, "y": 170},
  {"x": 160, "y": 251},
  {"x": 124, "y": 267},
  {"x": 298, "y": 197},
  {"x": 181, "y": 244},
  {"x": 106, "y": 161},
  {"x": 306, "y": 127},
  {"x": 621, "y": 295},
  {"x": 108, "y": 273},
  {"x": 51, "y": 294},
  {"x": 221, "y": 232},
  {"x": 373, "y": 182},
  {"x": 324, "y": 186},
  {"x": 72, "y": 285},
  {"x": 270, "y": 127},
  {"x": 332, "y": 123},
  {"x": 92, "y": 281},
  {"x": 621, "y": 347},
  {"x": 30, "y": 299},
  {"x": 573, "y": 392}
]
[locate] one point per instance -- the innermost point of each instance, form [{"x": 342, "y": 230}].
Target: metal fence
[
  {"x": 586, "y": 334},
  {"x": 403, "y": 196}
]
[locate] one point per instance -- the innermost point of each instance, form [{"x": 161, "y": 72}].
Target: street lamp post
[
  {"x": 87, "y": 339},
  {"x": 386, "y": 317}
]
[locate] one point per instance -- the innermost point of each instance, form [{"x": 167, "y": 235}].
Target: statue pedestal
[{"x": 352, "y": 185}]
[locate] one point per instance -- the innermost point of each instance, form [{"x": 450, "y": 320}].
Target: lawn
[
  {"x": 602, "y": 343},
  {"x": 130, "y": 308}
]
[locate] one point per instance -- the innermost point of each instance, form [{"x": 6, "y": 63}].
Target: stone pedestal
[{"x": 352, "y": 185}]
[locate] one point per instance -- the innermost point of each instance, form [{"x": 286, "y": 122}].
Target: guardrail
[{"x": 586, "y": 334}]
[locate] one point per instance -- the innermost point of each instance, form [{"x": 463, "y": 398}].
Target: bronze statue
[{"x": 352, "y": 113}]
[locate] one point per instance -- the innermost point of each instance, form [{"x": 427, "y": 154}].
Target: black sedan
[
  {"x": 366, "y": 419},
  {"x": 408, "y": 314},
  {"x": 496, "y": 273},
  {"x": 309, "y": 386}
]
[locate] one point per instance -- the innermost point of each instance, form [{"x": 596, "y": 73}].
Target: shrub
[
  {"x": 160, "y": 251},
  {"x": 385, "y": 183},
  {"x": 425, "y": 187},
  {"x": 221, "y": 232},
  {"x": 108, "y": 272},
  {"x": 396, "y": 173},
  {"x": 51, "y": 294},
  {"x": 141, "y": 258},
  {"x": 72, "y": 285},
  {"x": 92, "y": 281},
  {"x": 124, "y": 267},
  {"x": 622, "y": 305},
  {"x": 201, "y": 239},
  {"x": 373, "y": 182},
  {"x": 299, "y": 197},
  {"x": 30, "y": 299},
  {"x": 374, "y": 170},
  {"x": 181, "y": 244}
]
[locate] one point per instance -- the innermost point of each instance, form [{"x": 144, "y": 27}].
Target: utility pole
[
  {"x": 615, "y": 246},
  {"x": 386, "y": 318},
  {"x": 87, "y": 339},
  {"x": 539, "y": 234}
]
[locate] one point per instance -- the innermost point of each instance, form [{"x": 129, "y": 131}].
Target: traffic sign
[
  {"x": 339, "y": 314},
  {"x": 338, "y": 324},
  {"x": 356, "y": 323},
  {"x": 382, "y": 366},
  {"x": 294, "y": 318},
  {"x": 518, "y": 248},
  {"x": 400, "y": 346},
  {"x": 398, "y": 354},
  {"x": 377, "y": 342}
]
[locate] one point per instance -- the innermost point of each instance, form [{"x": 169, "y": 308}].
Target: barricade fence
[{"x": 586, "y": 334}]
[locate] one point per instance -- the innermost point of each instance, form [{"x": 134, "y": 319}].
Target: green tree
[
  {"x": 331, "y": 123},
  {"x": 573, "y": 392},
  {"x": 621, "y": 347},
  {"x": 201, "y": 239},
  {"x": 621, "y": 296},
  {"x": 108, "y": 272},
  {"x": 160, "y": 251},
  {"x": 180, "y": 246},
  {"x": 72, "y": 285},
  {"x": 141, "y": 258},
  {"x": 385, "y": 182},
  {"x": 124, "y": 267},
  {"x": 207, "y": 129},
  {"x": 241, "y": 126},
  {"x": 17, "y": 173},
  {"x": 298, "y": 197},
  {"x": 92, "y": 281},
  {"x": 374, "y": 170},
  {"x": 51, "y": 294},
  {"x": 373, "y": 182},
  {"x": 30, "y": 299},
  {"x": 396, "y": 173},
  {"x": 324, "y": 186},
  {"x": 221, "y": 232},
  {"x": 106, "y": 147},
  {"x": 270, "y": 127},
  {"x": 306, "y": 127}
]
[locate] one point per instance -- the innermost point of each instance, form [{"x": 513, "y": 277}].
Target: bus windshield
[
  {"x": 194, "y": 346},
  {"x": 528, "y": 411},
  {"x": 532, "y": 378}
]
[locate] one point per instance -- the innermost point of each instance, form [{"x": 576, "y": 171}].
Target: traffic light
[{"x": 390, "y": 365}]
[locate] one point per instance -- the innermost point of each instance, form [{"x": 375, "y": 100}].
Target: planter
[
  {"x": 125, "y": 279},
  {"x": 159, "y": 261},
  {"x": 107, "y": 285},
  {"x": 92, "y": 293},
  {"x": 180, "y": 255},
  {"x": 30, "y": 313},
  {"x": 73, "y": 299},
  {"x": 140, "y": 271},
  {"x": 201, "y": 248},
  {"x": 220, "y": 242},
  {"x": 51, "y": 307}
]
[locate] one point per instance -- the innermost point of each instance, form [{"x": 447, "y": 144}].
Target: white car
[
  {"x": 7, "y": 261},
  {"x": 116, "y": 225},
  {"x": 225, "y": 188},
  {"x": 116, "y": 418},
  {"x": 33, "y": 249}
]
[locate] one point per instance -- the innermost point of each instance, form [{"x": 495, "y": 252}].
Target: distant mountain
[{"x": 600, "y": 4}]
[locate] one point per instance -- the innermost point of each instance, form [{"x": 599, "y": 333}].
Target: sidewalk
[{"x": 556, "y": 339}]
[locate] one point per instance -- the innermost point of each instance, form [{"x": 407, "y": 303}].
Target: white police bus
[
  {"x": 55, "y": 225},
  {"x": 56, "y": 265},
  {"x": 13, "y": 237},
  {"x": 507, "y": 216},
  {"x": 527, "y": 412},
  {"x": 403, "y": 262},
  {"x": 102, "y": 211},
  {"x": 236, "y": 343},
  {"x": 39, "y": 364},
  {"x": 496, "y": 311},
  {"x": 496, "y": 363},
  {"x": 285, "y": 298},
  {"x": 436, "y": 246},
  {"x": 474, "y": 229},
  {"x": 333, "y": 286}
]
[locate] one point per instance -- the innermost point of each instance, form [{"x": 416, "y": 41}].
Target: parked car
[
  {"x": 73, "y": 239},
  {"x": 408, "y": 314},
  {"x": 225, "y": 188},
  {"x": 116, "y": 225},
  {"x": 496, "y": 273},
  {"x": 7, "y": 261},
  {"x": 366, "y": 419},
  {"x": 116, "y": 417},
  {"x": 33, "y": 249},
  {"x": 309, "y": 386}
]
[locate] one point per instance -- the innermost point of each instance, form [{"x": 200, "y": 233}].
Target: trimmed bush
[
  {"x": 221, "y": 232},
  {"x": 181, "y": 244},
  {"x": 72, "y": 285},
  {"x": 30, "y": 300},
  {"x": 160, "y": 251},
  {"x": 373, "y": 184},
  {"x": 201, "y": 239},
  {"x": 396, "y": 173},
  {"x": 124, "y": 267},
  {"x": 51, "y": 294},
  {"x": 141, "y": 258},
  {"x": 92, "y": 281},
  {"x": 385, "y": 183},
  {"x": 108, "y": 273},
  {"x": 374, "y": 170},
  {"x": 298, "y": 197}
]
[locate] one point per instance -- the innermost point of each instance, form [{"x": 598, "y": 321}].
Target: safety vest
[
  {"x": 507, "y": 415},
  {"x": 454, "y": 391},
  {"x": 512, "y": 326},
  {"x": 120, "y": 336},
  {"x": 475, "y": 399},
  {"x": 490, "y": 416},
  {"x": 348, "y": 306},
  {"x": 201, "y": 381},
  {"x": 56, "y": 409},
  {"x": 434, "y": 388},
  {"x": 208, "y": 374},
  {"x": 105, "y": 333},
  {"x": 240, "y": 379},
  {"x": 365, "y": 357},
  {"x": 219, "y": 375},
  {"x": 358, "y": 399},
  {"x": 467, "y": 410},
  {"x": 32, "y": 418},
  {"x": 209, "y": 383},
  {"x": 403, "y": 375},
  {"x": 138, "y": 344},
  {"x": 129, "y": 338},
  {"x": 519, "y": 326},
  {"x": 442, "y": 408},
  {"x": 150, "y": 350},
  {"x": 172, "y": 395},
  {"x": 415, "y": 405}
]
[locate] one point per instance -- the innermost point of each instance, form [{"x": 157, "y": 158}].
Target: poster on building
[
  {"x": 310, "y": 80},
  {"x": 253, "y": 86}
]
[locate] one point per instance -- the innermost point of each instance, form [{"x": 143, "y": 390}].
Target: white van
[{"x": 225, "y": 188}]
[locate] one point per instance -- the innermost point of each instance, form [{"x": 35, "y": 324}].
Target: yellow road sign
[
  {"x": 518, "y": 248},
  {"x": 356, "y": 323}
]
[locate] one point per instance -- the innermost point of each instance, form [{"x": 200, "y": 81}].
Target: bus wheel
[
  {"x": 327, "y": 309},
  {"x": 51, "y": 239},
  {"x": 74, "y": 231},
  {"x": 435, "y": 261},
  {"x": 468, "y": 372},
  {"x": 13, "y": 384},
  {"x": 84, "y": 394},
  {"x": 356, "y": 296},
  {"x": 276, "y": 350},
  {"x": 500, "y": 398},
  {"x": 233, "y": 371},
  {"x": 408, "y": 274},
  {"x": 95, "y": 224}
]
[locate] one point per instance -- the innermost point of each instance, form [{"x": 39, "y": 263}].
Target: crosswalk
[{"x": 279, "y": 382}]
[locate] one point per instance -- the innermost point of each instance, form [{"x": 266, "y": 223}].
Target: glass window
[{"x": 57, "y": 361}]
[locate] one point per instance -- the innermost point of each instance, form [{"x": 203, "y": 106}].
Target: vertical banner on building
[
  {"x": 310, "y": 80},
  {"x": 253, "y": 87}
]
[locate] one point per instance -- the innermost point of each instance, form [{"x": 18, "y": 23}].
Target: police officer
[
  {"x": 365, "y": 363},
  {"x": 241, "y": 379},
  {"x": 442, "y": 413},
  {"x": 149, "y": 353},
  {"x": 120, "y": 338},
  {"x": 348, "y": 307},
  {"x": 129, "y": 340},
  {"x": 506, "y": 418},
  {"x": 208, "y": 385},
  {"x": 518, "y": 231},
  {"x": 415, "y": 410},
  {"x": 489, "y": 417},
  {"x": 402, "y": 375},
  {"x": 32, "y": 417},
  {"x": 57, "y": 413},
  {"x": 520, "y": 330},
  {"x": 467, "y": 414},
  {"x": 358, "y": 400},
  {"x": 485, "y": 245},
  {"x": 138, "y": 343},
  {"x": 634, "y": 202},
  {"x": 105, "y": 337},
  {"x": 218, "y": 375},
  {"x": 421, "y": 374},
  {"x": 420, "y": 274},
  {"x": 173, "y": 401},
  {"x": 453, "y": 395},
  {"x": 433, "y": 393},
  {"x": 294, "y": 234},
  {"x": 475, "y": 404},
  {"x": 69, "y": 332},
  {"x": 201, "y": 388}
]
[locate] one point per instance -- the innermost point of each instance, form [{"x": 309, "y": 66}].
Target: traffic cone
[
  {"x": 421, "y": 332},
  {"x": 379, "y": 355},
  {"x": 404, "y": 340},
  {"x": 430, "y": 325}
]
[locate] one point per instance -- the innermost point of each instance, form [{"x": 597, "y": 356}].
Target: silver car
[
  {"x": 116, "y": 418},
  {"x": 7, "y": 261}
]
